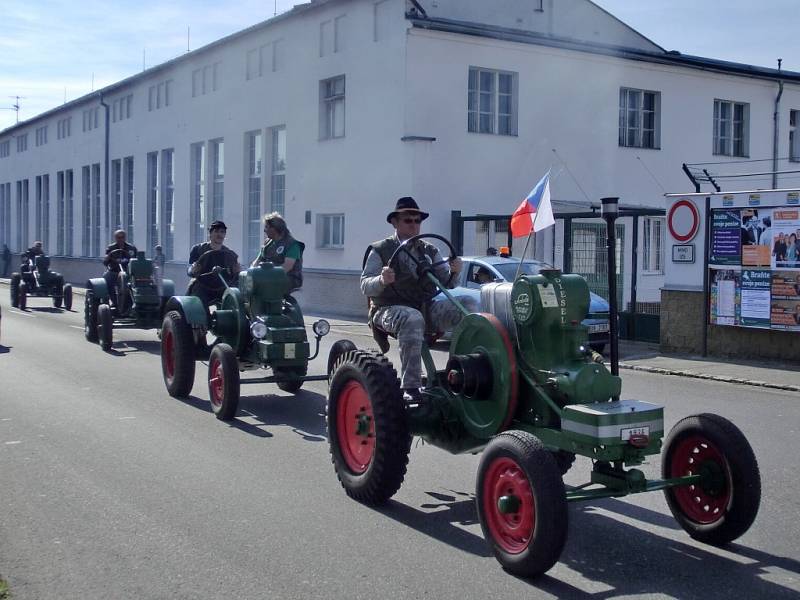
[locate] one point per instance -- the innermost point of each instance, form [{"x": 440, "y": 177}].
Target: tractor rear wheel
[
  {"x": 15, "y": 279},
  {"x": 22, "y": 296},
  {"x": 724, "y": 503},
  {"x": 68, "y": 297},
  {"x": 367, "y": 428},
  {"x": 91, "y": 304},
  {"x": 177, "y": 354},
  {"x": 223, "y": 382},
  {"x": 522, "y": 505},
  {"x": 105, "y": 327}
]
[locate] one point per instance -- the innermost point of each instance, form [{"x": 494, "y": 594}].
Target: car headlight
[
  {"x": 321, "y": 328},
  {"x": 258, "y": 330}
]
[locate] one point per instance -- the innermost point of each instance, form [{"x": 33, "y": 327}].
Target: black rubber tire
[
  {"x": 123, "y": 295},
  {"x": 550, "y": 501},
  {"x": 68, "y": 297},
  {"x": 338, "y": 348},
  {"x": 387, "y": 468},
  {"x": 294, "y": 384},
  {"x": 105, "y": 327},
  {"x": 90, "y": 307},
  {"x": 22, "y": 296},
  {"x": 564, "y": 461},
  {"x": 231, "y": 386},
  {"x": 57, "y": 300},
  {"x": 15, "y": 280},
  {"x": 179, "y": 383},
  {"x": 743, "y": 478}
]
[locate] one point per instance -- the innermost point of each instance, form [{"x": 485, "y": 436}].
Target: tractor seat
[{"x": 496, "y": 300}]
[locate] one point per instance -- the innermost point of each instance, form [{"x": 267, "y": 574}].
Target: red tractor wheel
[
  {"x": 367, "y": 429},
  {"x": 22, "y": 296},
  {"x": 223, "y": 382},
  {"x": 522, "y": 505},
  {"x": 105, "y": 327},
  {"x": 724, "y": 503},
  {"x": 177, "y": 355}
]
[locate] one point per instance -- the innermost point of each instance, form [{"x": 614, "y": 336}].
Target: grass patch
[{"x": 4, "y": 593}]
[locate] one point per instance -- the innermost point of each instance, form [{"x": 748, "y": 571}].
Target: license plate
[
  {"x": 289, "y": 351},
  {"x": 598, "y": 328},
  {"x": 626, "y": 434}
]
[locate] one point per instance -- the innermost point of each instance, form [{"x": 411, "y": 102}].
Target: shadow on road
[
  {"x": 5, "y": 349},
  {"x": 45, "y": 309},
  {"x": 303, "y": 411},
  {"x": 124, "y": 347}
]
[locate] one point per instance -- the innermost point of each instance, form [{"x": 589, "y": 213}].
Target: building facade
[{"x": 330, "y": 112}]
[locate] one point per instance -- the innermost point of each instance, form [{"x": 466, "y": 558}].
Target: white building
[{"x": 330, "y": 112}]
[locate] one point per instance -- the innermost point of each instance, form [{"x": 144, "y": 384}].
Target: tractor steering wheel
[
  {"x": 208, "y": 269},
  {"x": 124, "y": 259},
  {"x": 426, "y": 289}
]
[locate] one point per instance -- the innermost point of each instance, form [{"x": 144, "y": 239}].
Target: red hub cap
[
  {"x": 355, "y": 427},
  {"x": 168, "y": 343},
  {"x": 216, "y": 383},
  {"x": 707, "y": 501},
  {"x": 508, "y": 505}
]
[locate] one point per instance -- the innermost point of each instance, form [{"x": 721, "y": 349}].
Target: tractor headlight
[
  {"x": 321, "y": 328},
  {"x": 258, "y": 330}
]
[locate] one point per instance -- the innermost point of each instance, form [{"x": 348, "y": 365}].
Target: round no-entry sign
[{"x": 683, "y": 220}]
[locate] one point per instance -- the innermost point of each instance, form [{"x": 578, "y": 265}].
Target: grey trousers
[{"x": 408, "y": 325}]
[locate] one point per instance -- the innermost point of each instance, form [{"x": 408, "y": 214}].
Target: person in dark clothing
[
  {"x": 281, "y": 249},
  {"x": 29, "y": 257},
  {"x": 203, "y": 257},
  {"x": 118, "y": 255},
  {"x": 6, "y": 259}
]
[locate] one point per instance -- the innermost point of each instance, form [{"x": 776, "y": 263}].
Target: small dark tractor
[
  {"x": 522, "y": 385},
  {"x": 257, "y": 326},
  {"x": 35, "y": 279},
  {"x": 140, "y": 302}
]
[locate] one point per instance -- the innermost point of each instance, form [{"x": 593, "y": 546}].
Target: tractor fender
[
  {"x": 190, "y": 307},
  {"x": 167, "y": 288},
  {"x": 99, "y": 287}
]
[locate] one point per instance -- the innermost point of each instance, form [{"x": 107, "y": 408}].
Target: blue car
[{"x": 479, "y": 270}]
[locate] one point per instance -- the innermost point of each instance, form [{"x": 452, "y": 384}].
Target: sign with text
[{"x": 726, "y": 237}]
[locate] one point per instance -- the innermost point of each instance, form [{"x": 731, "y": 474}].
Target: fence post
[{"x": 457, "y": 231}]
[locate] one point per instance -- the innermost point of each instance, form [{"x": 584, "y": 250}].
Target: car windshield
[{"x": 509, "y": 270}]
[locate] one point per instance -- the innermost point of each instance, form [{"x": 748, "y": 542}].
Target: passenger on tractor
[
  {"x": 118, "y": 255},
  {"x": 203, "y": 257},
  {"x": 282, "y": 250},
  {"x": 392, "y": 309}
]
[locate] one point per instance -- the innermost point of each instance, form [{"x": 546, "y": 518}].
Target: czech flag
[{"x": 535, "y": 213}]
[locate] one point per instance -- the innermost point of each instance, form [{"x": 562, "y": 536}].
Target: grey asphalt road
[{"x": 109, "y": 488}]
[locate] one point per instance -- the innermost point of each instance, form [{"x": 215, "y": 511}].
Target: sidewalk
[{"x": 638, "y": 356}]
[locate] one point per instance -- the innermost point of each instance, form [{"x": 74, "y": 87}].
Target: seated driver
[
  {"x": 386, "y": 288},
  {"x": 205, "y": 284},
  {"x": 118, "y": 255},
  {"x": 29, "y": 256},
  {"x": 282, "y": 250}
]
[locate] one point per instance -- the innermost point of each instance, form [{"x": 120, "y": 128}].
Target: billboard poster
[
  {"x": 756, "y": 287},
  {"x": 785, "y": 314},
  {"x": 756, "y": 241},
  {"x": 786, "y": 285},
  {"x": 726, "y": 236},
  {"x": 725, "y": 299},
  {"x": 786, "y": 239}
]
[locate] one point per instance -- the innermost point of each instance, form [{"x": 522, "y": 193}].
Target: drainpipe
[
  {"x": 105, "y": 183},
  {"x": 776, "y": 117}
]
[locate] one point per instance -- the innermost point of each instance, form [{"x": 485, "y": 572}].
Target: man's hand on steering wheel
[{"x": 427, "y": 288}]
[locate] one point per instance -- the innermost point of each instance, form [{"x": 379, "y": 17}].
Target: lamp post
[{"x": 609, "y": 210}]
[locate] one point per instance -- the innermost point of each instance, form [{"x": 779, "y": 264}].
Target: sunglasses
[{"x": 410, "y": 220}]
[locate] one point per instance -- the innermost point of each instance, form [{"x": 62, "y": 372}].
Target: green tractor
[
  {"x": 140, "y": 302},
  {"x": 522, "y": 385},
  {"x": 257, "y": 326},
  {"x": 35, "y": 279}
]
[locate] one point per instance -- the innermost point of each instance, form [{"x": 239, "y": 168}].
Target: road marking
[
  {"x": 77, "y": 327},
  {"x": 125, "y": 418},
  {"x": 14, "y": 442},
  {"x": 6, "y": 419}
]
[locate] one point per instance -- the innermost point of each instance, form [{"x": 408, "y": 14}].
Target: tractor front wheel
[
  {"x": 68, "y": 297},
  {"x": 177, "y": 354},
  {"x": 15, "y": 279},
  {"x": 723, "y": 504},
  {"x": 105, "y": 327},
  {"x": 91, "y": 305},
  {"x": 223, "y": 382},
  {"x": 522, "y": 505},
  {"x": 367, "y": 429},
  {"x": 293, "y": 381},
  {"x": 22, "y": 296}
]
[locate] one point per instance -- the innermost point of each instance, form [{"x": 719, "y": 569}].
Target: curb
[{"x": 722, "y": 378}]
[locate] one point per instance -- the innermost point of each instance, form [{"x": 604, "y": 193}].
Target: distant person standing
[{"x": 6, "y": 259}]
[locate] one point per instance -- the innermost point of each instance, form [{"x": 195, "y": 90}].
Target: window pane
[
  {"x": 486, "y": 124},
  {"x": 504, "y": 125},
  {"x": 486, "y": 102},
  {"x": 487, "y": 81},
  {"x": 505, "y": 104},
  {"x": 505, "y": 83},
  {"x": 473, "y": 79}
]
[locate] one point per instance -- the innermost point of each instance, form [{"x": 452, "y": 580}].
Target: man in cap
[
  {"x": 118, "y": 255},
  {"x": 203, "y": 257},
  {"x": 397, "y": 304}
]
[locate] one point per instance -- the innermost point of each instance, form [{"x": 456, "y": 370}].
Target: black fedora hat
[{"x": 406, "y": 204}]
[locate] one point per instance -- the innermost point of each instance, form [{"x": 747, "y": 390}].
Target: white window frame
[
  {"x": 254, "y": 177},
  {"x": 653, "y": 231},
  {"x": 725, "y": 139},
  {"x": 331, "y": 102},
  {"x": 794, "y": 136},
  {"x": 198, "y": 153},
  {"x": 477, "y": 93},
  {"x": 632, "y": 118},
  {"x": 216, "y": 156},
  {"x": 5, "y": 148},
  {"x": 327, "y": 238}
]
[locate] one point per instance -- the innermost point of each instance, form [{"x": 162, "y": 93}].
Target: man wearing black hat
[
  {"x": 204, "y": 257},
  {"x": 397, "y": 304}
]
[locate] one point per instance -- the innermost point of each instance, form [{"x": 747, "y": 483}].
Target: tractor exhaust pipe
[{"x": 609, "y": 209}]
